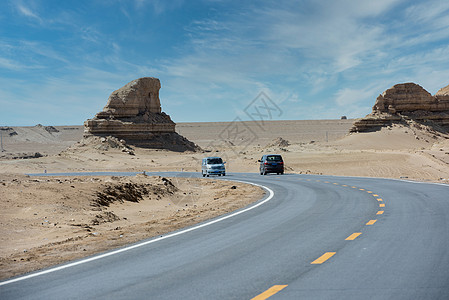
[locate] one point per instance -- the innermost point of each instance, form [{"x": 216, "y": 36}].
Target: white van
[{"x": 213, "y": 166}]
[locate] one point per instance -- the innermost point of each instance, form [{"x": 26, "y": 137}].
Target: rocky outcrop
[
  {"x": 138, "y": 98},
  {"x": 407, "y": 101},
  {"x": 133, "y": 113},
  {"x": 279, "y": 142},
  {"x": 443, "y": 94}
]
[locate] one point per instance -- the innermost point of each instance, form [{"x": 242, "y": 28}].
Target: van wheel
[
  {"x": 203, "y": 174},
  {"x": 207, "y": 175},
  {"x": 224, "y": 174}
]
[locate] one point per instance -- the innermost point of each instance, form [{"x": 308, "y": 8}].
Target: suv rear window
[{"x": 274, "y": 158}]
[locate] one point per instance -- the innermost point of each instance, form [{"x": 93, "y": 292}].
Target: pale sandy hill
[
  {"x": 395, "y": 137},
  {"x": 258, "y": 133},
  {"x": 47, "y": 141}
]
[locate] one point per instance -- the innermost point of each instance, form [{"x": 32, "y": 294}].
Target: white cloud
[
  {"x": 27, "y": 12},
  {"x": 331, "y": 56},
  {"x": 316, "y": 45},
  {"x": 334, "y": 32},
  {"x": 426, "y": 12},
  {"x": 348, "y": 97},
  {"x": 159, "y": 6},
  {"x": 13, "y": 65}
]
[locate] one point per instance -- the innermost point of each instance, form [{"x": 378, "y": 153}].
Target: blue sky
[{"x": 60, "y": 60}]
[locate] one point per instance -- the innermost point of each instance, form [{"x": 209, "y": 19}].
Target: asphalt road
[{"x": 318, "y": 237}]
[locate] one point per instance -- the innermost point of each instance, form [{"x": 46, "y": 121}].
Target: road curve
[{"x": 318, "y": 237}]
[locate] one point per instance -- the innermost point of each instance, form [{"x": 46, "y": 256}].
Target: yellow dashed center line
[
  {"x": 323, "y": 258},
  {"x": 353, "y": 236},
  {"x": 270, "y": 292}
]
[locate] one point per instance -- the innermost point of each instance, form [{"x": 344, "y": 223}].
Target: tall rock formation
[
  {"x": 133, "y": 113},
  {"x": 407, "y": 101}
]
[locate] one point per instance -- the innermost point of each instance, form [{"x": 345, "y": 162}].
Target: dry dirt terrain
[
  {"x": 315, "y": 147},
  {"x": 47, "y": 220}
]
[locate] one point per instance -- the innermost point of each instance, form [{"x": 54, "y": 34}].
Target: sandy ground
[
  {"x": 49, "y": 220},
  {"x": 32, "y": 237},
  {"x": 314, "y": 147}
]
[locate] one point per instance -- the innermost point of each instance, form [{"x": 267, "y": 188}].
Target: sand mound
[
  {"x": 37, "y": 134},
  {"x": 20, "y": 155},
  {"x": 279, "y": 142},
  {"x": 169, "y": 141},
  {"x": 394, "y": 137},
  {"x": 133, "y": 192},
  {"x": 102, "y": 144},
  {"x": 174, "y": 142},
  {"x": 8, "y": 131}
]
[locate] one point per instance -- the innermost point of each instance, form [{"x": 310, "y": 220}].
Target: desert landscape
[
  {"x": 48, "y": 220},
  {"x": 412, "y": 151}
]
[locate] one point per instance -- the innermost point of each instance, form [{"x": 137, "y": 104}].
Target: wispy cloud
[
  {"x": 437, "y": 14},
  {"x": 27, "y": 12},
  {"x": 314, "y": 58},
  {"x": 159, "y": 6},
  {"x": 14, "y": 65},
  {"x": 335, "y": 33},
  {"x": 347, "y": 96}
]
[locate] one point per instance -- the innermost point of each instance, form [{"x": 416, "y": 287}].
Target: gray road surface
[{"x": 295, "y": 244}]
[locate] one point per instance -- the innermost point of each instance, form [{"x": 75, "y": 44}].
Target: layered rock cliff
[
  {"x": 133, "y": 113},
  {"x": 407, "y": 101}
]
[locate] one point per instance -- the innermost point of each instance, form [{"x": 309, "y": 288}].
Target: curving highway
[{"x": 314, "y": 237}]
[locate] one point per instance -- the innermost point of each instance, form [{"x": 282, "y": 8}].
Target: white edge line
[{"x": 271, "y": 194}]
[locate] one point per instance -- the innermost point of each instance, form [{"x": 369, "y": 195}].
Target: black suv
[{"x": 271, "y": 163}]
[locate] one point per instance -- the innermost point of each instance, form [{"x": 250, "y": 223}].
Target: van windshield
[{"x": 214, "y": 161}]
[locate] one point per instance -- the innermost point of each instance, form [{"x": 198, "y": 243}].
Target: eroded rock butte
[
  {"x": 133, "y": 113},
  {"x": 404, "y": 102}
]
